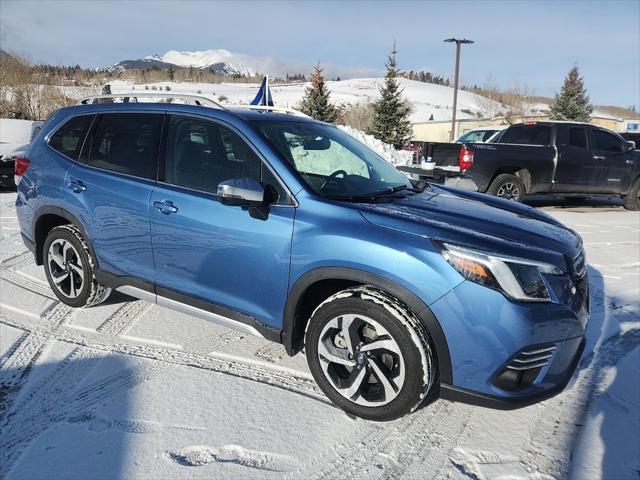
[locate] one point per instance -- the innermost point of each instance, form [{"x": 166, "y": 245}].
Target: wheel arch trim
[
  {"x": 59, "y": 212},
  {"x": 293, "y": 327}
]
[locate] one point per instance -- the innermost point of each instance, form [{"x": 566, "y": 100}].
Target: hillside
[{"x": 425, "y": 99}]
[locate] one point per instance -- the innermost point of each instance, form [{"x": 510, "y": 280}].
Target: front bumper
[{"x": 490, "y": 339}]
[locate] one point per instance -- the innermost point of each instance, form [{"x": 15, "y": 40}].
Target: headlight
[{"x": 517, "y": 278}]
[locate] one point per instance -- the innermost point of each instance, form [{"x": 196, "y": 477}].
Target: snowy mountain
[
  {"x": 224, "y": 62},
  {"x": 220, "y": 61}
]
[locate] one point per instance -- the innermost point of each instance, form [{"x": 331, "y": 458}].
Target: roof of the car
[{"x": 244, "y": 113}]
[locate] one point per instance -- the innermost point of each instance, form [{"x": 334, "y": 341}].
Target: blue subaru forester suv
[{"x": 290, "y": 229}]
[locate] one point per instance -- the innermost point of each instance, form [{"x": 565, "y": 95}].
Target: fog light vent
[{"x": 524, "y": 368}]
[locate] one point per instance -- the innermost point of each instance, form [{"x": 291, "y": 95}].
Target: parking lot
[{"x": 127, "y": 388}]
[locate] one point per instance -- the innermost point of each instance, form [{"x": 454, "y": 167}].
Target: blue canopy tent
[{"x": 264, "y": 94}]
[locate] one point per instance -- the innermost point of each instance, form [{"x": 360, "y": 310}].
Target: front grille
[{"x": 523, "y": 369}]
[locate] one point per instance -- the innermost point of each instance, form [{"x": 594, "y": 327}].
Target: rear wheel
[
  {"x": 69, "y": 268},
  {"x": 507, "y": 186},
  {"x": 632, "y": 200},
  {"x": 369, "y": 354}
]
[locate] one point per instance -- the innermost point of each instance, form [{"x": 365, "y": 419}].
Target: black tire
[
  {"x": 632, "y": 200},
  {"x": 86, "y": 291},
  {"x": 398, "y": 324},
  {"x": 507, "y": 186}
]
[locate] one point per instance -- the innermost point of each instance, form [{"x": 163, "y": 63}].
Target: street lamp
[{"x": 458, "y": 42}]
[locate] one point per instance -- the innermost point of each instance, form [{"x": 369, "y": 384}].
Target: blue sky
[{"x": 534, "y": 43}]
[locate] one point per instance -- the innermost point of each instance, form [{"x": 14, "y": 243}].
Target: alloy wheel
[
  {"x": 361, "y": 360},
  {"x": 66, "y": 268},
  {"x": 508, "y": 191}
]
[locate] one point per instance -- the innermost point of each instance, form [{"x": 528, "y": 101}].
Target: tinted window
[
  {"x": 527, "y": 135},
  {"x": 201, "y": 154},
  {"x": 127, "y": 143},
  {"x": 606, "y": 141},
  {"x": 578, "y": 137},
  {"x": 69, "y": 137}
]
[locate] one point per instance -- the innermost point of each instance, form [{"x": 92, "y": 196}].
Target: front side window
[
  {"x": 68, "y": 139},
  {"x": 607, "y": 142},
  {"x": 532, "y": 134},
  {"x": 127, "y": 143},
  {"x": 201, "y": 154},
  {"x": 331, "y": 162},
  {"x": 578, "y": 137}
]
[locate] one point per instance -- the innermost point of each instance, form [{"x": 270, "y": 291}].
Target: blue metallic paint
[{"x": 220, "y": 254}]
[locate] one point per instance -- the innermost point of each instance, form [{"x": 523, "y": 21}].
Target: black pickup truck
[{"x": 564, "y": 158}]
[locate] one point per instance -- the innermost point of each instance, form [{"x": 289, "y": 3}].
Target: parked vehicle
[
  {"x": 15, "y": 136},
  {"x": 292, "y": 230},
  {"x": 479, "y": 135},
  {"x": 564, "y": 158}
]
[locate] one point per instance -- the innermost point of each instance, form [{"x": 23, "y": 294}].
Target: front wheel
[
  {"x": 507, "y": 186},
  {"x": 632, "y": 200},
  {"x": 369, "y": 354}
]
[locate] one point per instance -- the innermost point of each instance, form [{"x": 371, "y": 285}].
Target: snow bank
[
  {"x": 386, "y": 151},
  {"x": 15, "y": 134}
]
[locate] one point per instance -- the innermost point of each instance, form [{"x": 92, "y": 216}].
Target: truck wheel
[
  {"x": 507, "y": 186},
  {"x": 632, "y": 200},
  {"x": 69, "y": 268},
  {"x": 369, "y": 354}
]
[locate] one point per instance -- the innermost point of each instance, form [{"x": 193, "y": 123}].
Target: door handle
[
  {"x": 598, "y": 157},
  {"x": 166, "y": 207},
  {"x": 77, "y": 186}
]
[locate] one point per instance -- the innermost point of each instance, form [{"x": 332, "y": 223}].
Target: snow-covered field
[
  {"x": 130, "y": 390},
  {"x": 426, "y": 99}
]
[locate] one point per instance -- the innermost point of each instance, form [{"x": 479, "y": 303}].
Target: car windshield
[{"x": 333, "y": 163}]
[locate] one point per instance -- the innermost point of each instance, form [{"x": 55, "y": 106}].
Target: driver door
[{"x": 205, "y": 251}]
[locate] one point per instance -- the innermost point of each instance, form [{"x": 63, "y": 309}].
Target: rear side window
[
  {"x": 68, "y": 139},
  {"x": 527, "y": 135},
  {"x": 127, "y": 143},
  {"x": 578, "y": 137},
  {"x": 607, "y": 142}
]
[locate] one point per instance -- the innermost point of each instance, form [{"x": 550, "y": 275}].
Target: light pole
[{"x": 455, "y": 82}]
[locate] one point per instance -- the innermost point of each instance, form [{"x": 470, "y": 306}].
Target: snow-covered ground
[{"x": 131, "y": 390}]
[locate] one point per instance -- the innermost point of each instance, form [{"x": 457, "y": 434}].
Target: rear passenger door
[
  {"x": 110, "y": 189},
  {"x": 209, "y": 255},
  {"x": 613, "y": 169},
  {"x": 577, "y": 170}
]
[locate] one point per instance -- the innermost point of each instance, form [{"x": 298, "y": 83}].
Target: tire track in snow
[
  {"x": 18, "y": 261},
  {"x": 27, "y": 283},
  {"x": 124, "y": 318},
  {"x": 286, "y": 379},
  {"x": 18, "y": 365},
  {"x": 51, "y": 400}
]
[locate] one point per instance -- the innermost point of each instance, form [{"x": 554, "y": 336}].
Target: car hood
[{"x": 476, "y": 220}]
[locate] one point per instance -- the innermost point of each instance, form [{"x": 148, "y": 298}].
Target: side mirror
[
  {"x": 242, "y": 192},
  {"x": 629, "y": 146}
]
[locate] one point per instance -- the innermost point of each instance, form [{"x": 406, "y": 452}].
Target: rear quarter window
[
  {"x": 527, "y": 135},
  {"x": 68, "y": 139}
]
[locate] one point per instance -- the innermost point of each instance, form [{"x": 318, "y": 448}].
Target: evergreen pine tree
[
  {"x": 391, "y": 114},
  {"x": 172, "y": 73},
  {"x": 315, "y": 102},
  {"x": 573, "y": 102}
]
